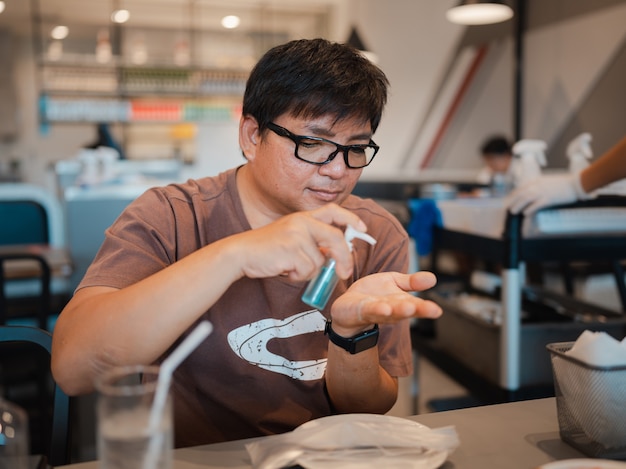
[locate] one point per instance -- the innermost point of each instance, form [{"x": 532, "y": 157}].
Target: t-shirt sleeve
[{"x": 138, "y": 244}]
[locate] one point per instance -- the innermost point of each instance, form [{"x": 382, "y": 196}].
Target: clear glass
[
  {"x": 317, "y": 150},
  {"x": 125, "y": 439},
  {"x": 14, "y": 439}
]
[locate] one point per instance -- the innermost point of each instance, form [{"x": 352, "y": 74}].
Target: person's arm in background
[
  {"x": 608, "y": 168},
  {"x": 566, "y": 188}
]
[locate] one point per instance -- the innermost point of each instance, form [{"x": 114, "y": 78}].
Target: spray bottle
[
  {"x": 320, "y": 288},
  {"x": 579, "y": 152},
  {"x": 531, "y": 157}
]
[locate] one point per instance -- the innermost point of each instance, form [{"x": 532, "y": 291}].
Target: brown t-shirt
[{"x": 262, "y": 370}]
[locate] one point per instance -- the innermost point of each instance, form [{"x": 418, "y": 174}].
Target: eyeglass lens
[{"x": 319, "y": 151}]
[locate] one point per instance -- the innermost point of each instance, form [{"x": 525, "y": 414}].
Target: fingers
[
  {"x": 393, "y": 309},
  {"x": 331, "y": 239},
  {"x": 333, "y": 214},
  {"x": 297, "y": 245},
  {"x": 536, "y": 205},
  {"x": 414, "y": 282},
  {"x": 521, "y": 198},
  {"x": 386, "y": 297},
  {"x": 517, "y": 204}
]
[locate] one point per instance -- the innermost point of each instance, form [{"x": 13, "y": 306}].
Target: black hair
[
  {"x": 312, "y": 78},
  {"x": 496, "y": 145}
]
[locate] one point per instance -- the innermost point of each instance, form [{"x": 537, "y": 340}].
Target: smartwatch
[{"x": 358, "y": 343}]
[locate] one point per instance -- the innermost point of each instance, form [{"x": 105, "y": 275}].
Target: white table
[{"x": 514, "y": 435}]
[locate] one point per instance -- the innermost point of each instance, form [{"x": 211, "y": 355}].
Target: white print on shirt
[{"x": 249, "y": 342}]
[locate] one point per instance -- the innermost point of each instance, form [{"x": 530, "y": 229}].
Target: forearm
[
  {"x": 610, "y": 167},
  {"x": 357, "y": 383},
  {"x": 103, "y": 327}
]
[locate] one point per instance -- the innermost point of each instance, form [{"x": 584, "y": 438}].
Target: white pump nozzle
[
  {"x": 536, "y": 148},
  {"x": 352, "y": 233},
  {"x": 581, "y": 145},
  {"x": 579, "y": 152},
  {"x": 531, "y": 157}
]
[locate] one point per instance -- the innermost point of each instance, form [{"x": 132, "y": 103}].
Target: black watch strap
[{"x": 358, "y": 343}]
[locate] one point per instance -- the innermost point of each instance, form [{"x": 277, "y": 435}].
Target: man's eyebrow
[{"x": 325, "y": 133}]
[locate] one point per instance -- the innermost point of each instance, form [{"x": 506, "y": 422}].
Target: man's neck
[{"x": 256, "y": 212}]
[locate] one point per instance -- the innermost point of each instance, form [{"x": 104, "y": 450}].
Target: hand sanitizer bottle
[
  {"x": 320, "y": 288},
  {"x": 14, "y": 436},
  {"x": 579, "y": 152},
  {"x": 531, "y": 158}
]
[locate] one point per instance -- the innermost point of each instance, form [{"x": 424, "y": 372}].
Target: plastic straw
[{"x": 166, "y": 371}]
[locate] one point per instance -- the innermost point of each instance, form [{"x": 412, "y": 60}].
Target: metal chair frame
[
  {"x": 44, "y": 297},
  {"x": 60, "y": 426}
]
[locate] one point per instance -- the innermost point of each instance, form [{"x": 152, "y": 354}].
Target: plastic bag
[{"x": 356, "y": 441}]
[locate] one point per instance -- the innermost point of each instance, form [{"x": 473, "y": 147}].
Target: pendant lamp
[{"x": 475, "y": 12}]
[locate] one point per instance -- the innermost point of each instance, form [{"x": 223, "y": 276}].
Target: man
[
  {"x": 498, "y": 170},
  {"x": 237, "y": 249}
]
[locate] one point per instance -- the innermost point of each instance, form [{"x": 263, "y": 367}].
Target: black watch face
[{"x": 365, "y": 342}]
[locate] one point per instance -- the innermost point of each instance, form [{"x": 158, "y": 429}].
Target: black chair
[
  {"x": 24, "y": 307},
  {"x": 35, "y": 215},
  {"x": 30, "y": 215},
  {"x": 58, "y": 448}
]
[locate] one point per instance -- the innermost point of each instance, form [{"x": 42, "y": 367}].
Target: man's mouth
[{"x": 325, "y": 195}]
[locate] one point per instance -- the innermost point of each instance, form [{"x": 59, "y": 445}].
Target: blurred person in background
[
  {"x": 497, "y": 157},
  {"x": 557, "y": 189}
]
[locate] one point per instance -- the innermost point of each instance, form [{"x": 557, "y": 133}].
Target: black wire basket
[{"x": 591, "y": 404}]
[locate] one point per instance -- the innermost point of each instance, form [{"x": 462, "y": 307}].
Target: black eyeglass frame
[{"x": 281, "y": 131}]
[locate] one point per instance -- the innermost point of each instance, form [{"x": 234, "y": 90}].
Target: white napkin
[
  {"x": 599, "y": 349},
  {"x": 356, "y": 441}
]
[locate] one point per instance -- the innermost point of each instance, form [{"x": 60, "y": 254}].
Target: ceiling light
[
  {"x": 230, "y": 21},
  {"x": 120, "y": 16},
  {"x": 2, "y": 6},
  {"x": 474, "y": 12},
  {"x": 59, "y": 32}
]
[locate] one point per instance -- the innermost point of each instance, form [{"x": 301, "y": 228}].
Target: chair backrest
[
  {"x": 35, "y": 215},
  {"x": 58, "y": 454},
  {"x": 43, "y": 309}
]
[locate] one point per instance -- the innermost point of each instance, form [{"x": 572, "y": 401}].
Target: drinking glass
[
  {"x": 127, "y": 439},
  {"x": 14, "y": 439}
]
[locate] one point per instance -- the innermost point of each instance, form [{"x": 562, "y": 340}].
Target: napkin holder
[{"x": 591, "y": 404}]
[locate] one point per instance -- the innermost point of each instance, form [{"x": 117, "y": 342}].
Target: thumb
[{"x": 419, "y": 281}]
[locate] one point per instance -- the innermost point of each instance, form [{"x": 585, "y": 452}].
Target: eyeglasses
[{"x": 319, "y": 151}]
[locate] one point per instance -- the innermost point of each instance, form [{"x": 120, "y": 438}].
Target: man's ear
[{"x": 249, "y": 136}]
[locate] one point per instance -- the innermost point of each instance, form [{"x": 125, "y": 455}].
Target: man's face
[
  {"x": 498, "y": 162},
  {"x": 285, "y": 184}
]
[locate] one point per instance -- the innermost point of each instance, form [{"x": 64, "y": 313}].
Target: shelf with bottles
[
  {"x": 59, "y": 109},
  {"x": 75, "y": 78},
  {"x": 146, "y": 80},
  {"x": 122, "y": 80}
]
